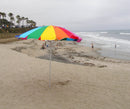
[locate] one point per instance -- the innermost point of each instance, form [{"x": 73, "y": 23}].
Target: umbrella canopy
[{"x": 50, "y": 33}]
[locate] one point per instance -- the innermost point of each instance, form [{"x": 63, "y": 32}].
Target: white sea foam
[
  {"x": 95, "y": 36},
  {"x": 104, "y": 32},
  {"x": 109, "y": 39},
  {"x": 125, "y": 33}
]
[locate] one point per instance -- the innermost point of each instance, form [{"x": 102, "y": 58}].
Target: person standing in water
[
  {"x": 115, "y": 45},
  {"x": 92, "y": 45}
]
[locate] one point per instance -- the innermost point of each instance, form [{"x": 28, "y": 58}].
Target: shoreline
[
  {"x": 115, "y": 54},
  {"x": 67, "y": 50},
  {"x": 95, "y": 53},
  {"x": 112, "y": 53},
  {"x": 75, "y": 49}
]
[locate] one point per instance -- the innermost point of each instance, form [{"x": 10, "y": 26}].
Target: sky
[{"x": 75, "y": 15}]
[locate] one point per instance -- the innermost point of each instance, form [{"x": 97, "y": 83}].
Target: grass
[
  {"x": 8, "y": 37},
  {"x": 8, "y": 34}
]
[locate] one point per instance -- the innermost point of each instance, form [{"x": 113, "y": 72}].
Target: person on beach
[
  {"x": 92, "y": 45},
  {"x": 115, "y": 45},
  {"x": 45, "y": 43},
  {"x": 43, "y": 46}
]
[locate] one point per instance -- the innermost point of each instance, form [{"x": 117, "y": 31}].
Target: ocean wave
[
  {"x": 111, "y": 39},
  {"x": 104, "y": 32},
  {"x": 97, "y": 37},
  {"x": 125, "y": 33}
]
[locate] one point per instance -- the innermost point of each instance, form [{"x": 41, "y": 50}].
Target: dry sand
[{"x": 81, "y": 80}]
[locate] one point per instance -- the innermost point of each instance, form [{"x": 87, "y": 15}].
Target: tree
[
  {"x": 0, "y": 14},
  {"x": 11, "y": 17},
  {"x": 18, "y": 20},
  {"x": 30, "y": 23},
  {"x": 26, "y": 21},
  {"x": 23, "y": 18},
  {"x": 0, "y": 19},
  {"x": 3, "y": 15},
  {"x": 6, "y": 22},
  {"x": 34, "y": 24},
  {"x": 3, "y": 21}
]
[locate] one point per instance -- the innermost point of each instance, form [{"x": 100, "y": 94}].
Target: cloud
[{"x": 77, "y": 15}]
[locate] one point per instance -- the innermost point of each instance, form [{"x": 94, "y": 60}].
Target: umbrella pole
[{"x": 50, "y": 69}]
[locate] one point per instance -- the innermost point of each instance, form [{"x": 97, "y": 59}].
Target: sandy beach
[{"x": 80, "y": 78}]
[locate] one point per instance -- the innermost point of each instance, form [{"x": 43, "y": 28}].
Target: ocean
[{"x": 113, "y": 43}]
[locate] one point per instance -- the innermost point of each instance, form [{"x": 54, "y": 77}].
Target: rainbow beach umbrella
[{"x": 50, "y": 33}]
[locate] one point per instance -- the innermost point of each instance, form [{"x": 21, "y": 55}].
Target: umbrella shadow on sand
[{"x": 56, "y": 58}]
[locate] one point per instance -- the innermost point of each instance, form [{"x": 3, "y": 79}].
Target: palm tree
[
  {"x": 4, "y": 15},
  {"x": 23, "y": 18},
  {"x": 0, "y": 19},
  {"x": 4, "y": 22},
  {"x": 33, "y": 23},
  {"x": 18, "y": 16},
  {"x": 10, "y": 15},
  {"x": 26, "y": 21},
  {"x": 0, "y": 14},
  {"x": 30, "y": 23},
  {"x": 12, "y": 19},
  {"x": 18, "y": 20}
]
